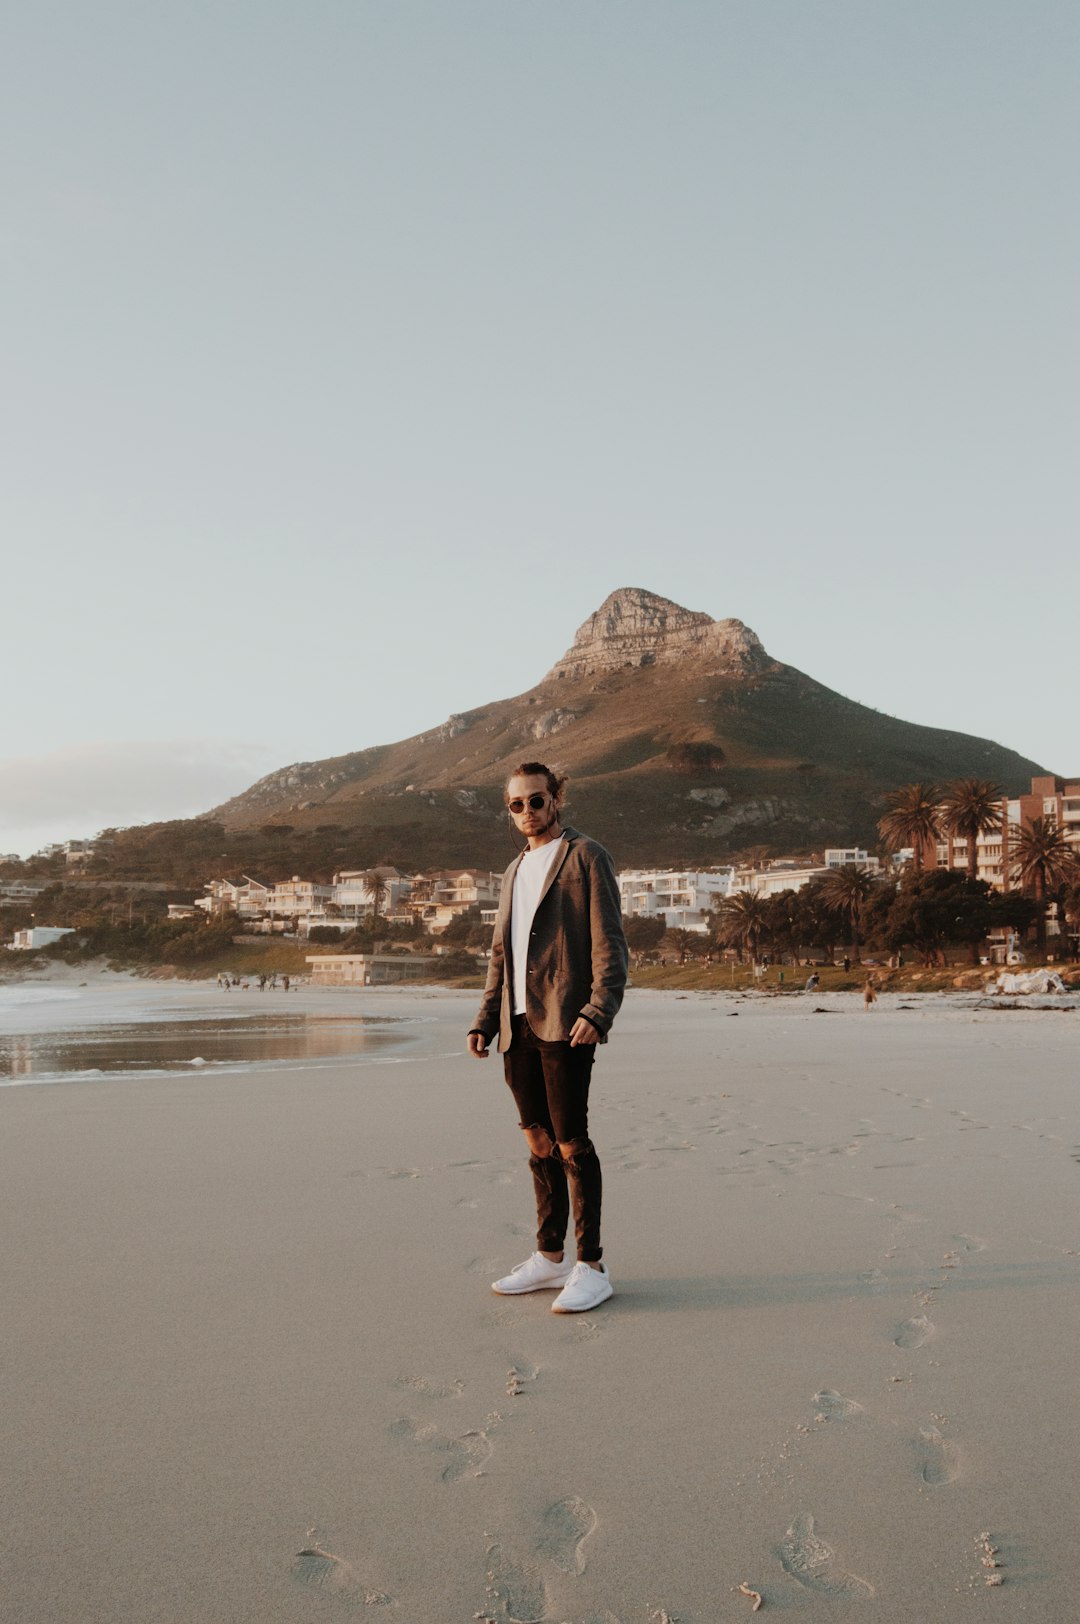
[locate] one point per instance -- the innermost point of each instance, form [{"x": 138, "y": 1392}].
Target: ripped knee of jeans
[
  {"x": 539, "y": 1141},
  {"x": 576, "y": 1150}
]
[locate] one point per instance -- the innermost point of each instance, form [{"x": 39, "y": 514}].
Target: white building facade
[
  {"x": 38, "y": 936},
  {"x": 685, "y": 897},
  {"x": 779, "y": 876},
  {"x": 851, "y": 857}
]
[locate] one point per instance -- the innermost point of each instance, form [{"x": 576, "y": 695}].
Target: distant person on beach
[
  {"x": 869, "y": 993},
  {"x": 811, "y": 982},
  {"x": 555, "y": 983}
]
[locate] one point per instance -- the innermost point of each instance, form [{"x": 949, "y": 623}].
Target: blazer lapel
[{"x": 564, "y": 842}]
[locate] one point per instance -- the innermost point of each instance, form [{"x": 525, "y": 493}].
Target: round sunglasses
[{"x": 518, "y": 805}]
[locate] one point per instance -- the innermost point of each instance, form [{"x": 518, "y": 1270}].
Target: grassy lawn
[{"x": 696, "y": 977}]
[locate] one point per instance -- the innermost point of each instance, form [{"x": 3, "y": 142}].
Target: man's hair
[{"x": 537, "y": 769}]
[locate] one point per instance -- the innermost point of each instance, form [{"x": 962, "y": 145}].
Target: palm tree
[
  {"x": 1043, "y": 860},
  {"x": 912, "y": 818},
  {"x": 376, "y": 883},
  {"x": 969, "y": 808},
  {"x": 844, "y": 890},
  {"x": 742, "y": 919}
]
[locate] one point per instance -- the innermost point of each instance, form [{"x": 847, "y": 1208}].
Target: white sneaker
[
  {"x": 586, "y": 1288},
  {"x": 537, "y": 1273}
]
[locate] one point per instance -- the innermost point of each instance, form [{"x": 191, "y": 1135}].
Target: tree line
[{"x": 919, "y": 907}]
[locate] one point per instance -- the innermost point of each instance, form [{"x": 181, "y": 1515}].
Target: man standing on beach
[{"x": 555, "y": 983}]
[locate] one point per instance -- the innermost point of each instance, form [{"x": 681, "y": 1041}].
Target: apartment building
[
  {"x": 685, "y": 897},
  {"x": 1055, "y": 800},
  {"x": 296, "y": 898}
]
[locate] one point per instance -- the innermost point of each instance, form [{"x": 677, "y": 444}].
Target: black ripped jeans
[{"x": 550, "y": 1085}]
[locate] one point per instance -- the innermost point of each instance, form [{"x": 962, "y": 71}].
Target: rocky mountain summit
[
  {"x": 684, "y": 740},
  {"x": 633, "y": 627}
]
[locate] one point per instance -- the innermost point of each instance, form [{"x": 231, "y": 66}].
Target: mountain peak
[{"x": 636, "y": 627}]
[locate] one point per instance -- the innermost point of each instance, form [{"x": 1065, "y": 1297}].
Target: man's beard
[{"x": 551, "y": 823}]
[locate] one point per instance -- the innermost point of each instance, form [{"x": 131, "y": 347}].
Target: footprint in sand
[
  {"x": 970, "y": 1243},
  {"x": 430, "y": 1389},
  {"x": 583, "y": 1327},
  {"x": 482, "y": 1265},
  {"x": 518, "y": 1587},
  {"x": 469, "y": 1455},
  {"x": 463, "y": 1457},
  {"x": 807, "y": 1558},
  {"x": 874, "y": 1281},
  {"x": 939, "y": 1459},
  {"x": 505, "y": 1318},
  {"x": 914, "y": 1332},
  {"x": 319, "y": 1569},
  {"x": 832, "y": 1407},
  {"x": 567, "y": 1525},
  {"x": 519, "y": 1376}
]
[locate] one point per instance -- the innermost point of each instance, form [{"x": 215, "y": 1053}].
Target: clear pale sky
[{"x": 353, "y": 352}]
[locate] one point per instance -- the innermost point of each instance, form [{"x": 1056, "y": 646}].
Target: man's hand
[
  {"x": 478, "y": 1045},
  {"x": 583, "y": 1031}
]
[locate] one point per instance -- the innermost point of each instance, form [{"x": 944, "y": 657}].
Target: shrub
[{"x": 696, "y": 759}]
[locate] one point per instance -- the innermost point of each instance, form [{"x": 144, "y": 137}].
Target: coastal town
[{"x": 738, "y": 908}]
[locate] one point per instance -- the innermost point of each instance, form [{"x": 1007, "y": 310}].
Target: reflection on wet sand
[{"x": 147, "y": 1046}]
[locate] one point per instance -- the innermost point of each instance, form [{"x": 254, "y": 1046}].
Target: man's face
[{"x": 532, "y": 821}]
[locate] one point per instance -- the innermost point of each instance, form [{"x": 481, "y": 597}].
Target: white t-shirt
[{"x": 529, "y": 881}]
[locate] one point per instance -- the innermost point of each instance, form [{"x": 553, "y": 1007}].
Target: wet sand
[{"x": 254, "y": 1370}]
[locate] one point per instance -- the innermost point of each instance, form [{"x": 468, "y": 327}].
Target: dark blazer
[{"x": 577, "y": 951}]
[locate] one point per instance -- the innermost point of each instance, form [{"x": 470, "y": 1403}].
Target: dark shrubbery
[
  {"x": 159, "y": 941},
  {"x": 643, "y": 933},
  {"x": 696, "y": 759},
  {"x": 457, "y": 965}
]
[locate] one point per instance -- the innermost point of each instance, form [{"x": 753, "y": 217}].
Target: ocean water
[{"x": 53, "y": 1033}]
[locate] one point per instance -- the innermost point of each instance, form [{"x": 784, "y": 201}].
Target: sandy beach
[{"x": 255, "y": 1374}]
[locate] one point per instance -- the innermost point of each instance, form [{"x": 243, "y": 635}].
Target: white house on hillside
[
  {"x": 439, "y": 897},
  {"x": 354, "y": 897},
  {"x": 247, "y": 901}
]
